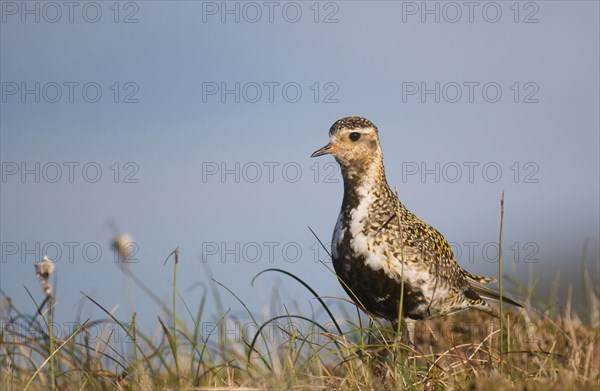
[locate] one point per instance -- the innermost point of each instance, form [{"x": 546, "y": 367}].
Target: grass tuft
[{"x": 339, "y": 348}]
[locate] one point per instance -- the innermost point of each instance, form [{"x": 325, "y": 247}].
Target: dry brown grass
[
  {"x": 462, "y": 351},
  {"x": 528, "y": 350}
]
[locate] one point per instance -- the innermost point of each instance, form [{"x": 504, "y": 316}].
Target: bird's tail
[{"x": 484, "y": 292}]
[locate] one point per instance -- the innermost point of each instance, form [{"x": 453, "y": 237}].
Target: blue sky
[{"x": 164, "y": 140}]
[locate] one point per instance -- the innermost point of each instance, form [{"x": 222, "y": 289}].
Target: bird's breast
[{"x": 338, "y": 235}]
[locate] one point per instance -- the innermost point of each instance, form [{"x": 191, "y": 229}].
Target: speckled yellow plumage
[{"x": 379, "y": 245}]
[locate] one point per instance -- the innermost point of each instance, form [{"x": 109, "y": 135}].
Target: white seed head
[
  {"x": 43, "y": 269},
  {"x": 124, "y": 244}
]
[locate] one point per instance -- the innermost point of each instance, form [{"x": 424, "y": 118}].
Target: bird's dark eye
[{"x": 354, "y": 136}]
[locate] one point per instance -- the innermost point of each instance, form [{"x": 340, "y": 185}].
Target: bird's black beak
[{"x": 323, "y": 151}]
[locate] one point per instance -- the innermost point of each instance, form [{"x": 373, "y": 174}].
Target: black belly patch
[{"x": 379, "y": 294}]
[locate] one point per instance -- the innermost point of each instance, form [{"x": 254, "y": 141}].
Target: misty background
[{"x": 190, "y": 124}]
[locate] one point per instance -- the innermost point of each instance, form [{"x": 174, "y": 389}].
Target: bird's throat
[{"x": 362, "y": 180}]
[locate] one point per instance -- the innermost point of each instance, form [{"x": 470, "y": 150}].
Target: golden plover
[{"x": 378, "y": 243}]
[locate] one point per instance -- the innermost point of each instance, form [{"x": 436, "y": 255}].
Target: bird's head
[{"x": 354, "y": 142}]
